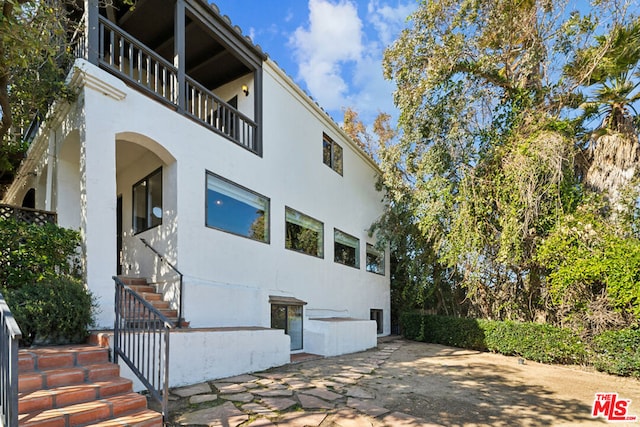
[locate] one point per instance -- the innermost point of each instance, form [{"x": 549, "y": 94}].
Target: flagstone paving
[{"x": 316, "y": 393}]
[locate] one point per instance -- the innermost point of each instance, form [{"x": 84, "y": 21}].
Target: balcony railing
[
  {"x": 10, "y": 334},
  {"x": 125, "y": 56},
  {"x": 220, "y": 116},
  {"x": 32, "y": 216},
  {"x": 121, "y": 53}
]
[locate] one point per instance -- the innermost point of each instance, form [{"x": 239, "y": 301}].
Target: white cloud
[
  {"x": 334, "y": 36},
  {"x": 387, "y": 20},
  {"x": 340, "y": 60}
]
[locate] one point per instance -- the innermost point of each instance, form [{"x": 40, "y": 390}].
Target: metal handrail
[
  {"x": 10, "y": 334},
  {"x": 141, "y": 339},
  {"x": 174, "y": 268}
]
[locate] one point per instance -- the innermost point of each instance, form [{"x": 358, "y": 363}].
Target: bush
[
  {"x": 39, "y": 278},
  {"x": 32, "y": 253},
  {"x": 618, "y": 352},
  {"x": 58, "y": 311},
  {"x": 533, "y": 341}
]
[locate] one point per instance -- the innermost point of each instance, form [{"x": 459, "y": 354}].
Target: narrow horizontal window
[
  {"x": 234, "y": 209},
  {"x": 303, "y": 233},
  {"x": 375, "y": 260},
  {"x": 147, "y": 202},
  {"x": 346, "y": 249}
]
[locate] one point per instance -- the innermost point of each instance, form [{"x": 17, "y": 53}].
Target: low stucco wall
[
  {"x": 198, "y": 355},
  {"x": 335, "y": 336}
]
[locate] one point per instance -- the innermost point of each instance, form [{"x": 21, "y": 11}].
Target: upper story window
[
  {"x": 346, "y": 249},
  {"x": 234, "y": 209},
  {"x": 375, "y": 260},
  {"x": 331, "y": 154},
  {"x": 303, "y": 233},
  {"x": 147, "y": 202}
]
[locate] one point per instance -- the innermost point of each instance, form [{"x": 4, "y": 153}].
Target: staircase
[
  {"x": 77, "y": 386},
  {"x": 148, "y": 293}
]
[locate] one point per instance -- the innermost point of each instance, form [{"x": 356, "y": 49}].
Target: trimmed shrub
[
  {"x": 58, "y": 311},
  {"x": 533, "y": 341},
  {"x": 618, "y": 352},
  {"x": 32, "y": 253}
]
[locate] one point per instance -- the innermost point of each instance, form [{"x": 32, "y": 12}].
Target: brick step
[
  {"x": 171, "y": 314},
  {"x": 47, "y": 358},
  {"x": 147, "y": 418},
  {"x": 143, "y": 288},
  {"x": 62, "y": 396},
  {"x": 151, "y": 296},
  {"x": 87, "y": 413},
  {"x": 134, "y": 281},
  {"x": 51, "y": 378},
  {"x": 160, "y": 305}
]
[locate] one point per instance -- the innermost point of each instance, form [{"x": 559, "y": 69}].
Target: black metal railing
[
  {"x": 219, "y": 116},
  {"x": 141, "y": 339},
  {"x": 128, "y": 57},
  {"x": 10, "y": 334},
  {"x": 31, "y": 216},
  {"x": 180, "y": 276}
]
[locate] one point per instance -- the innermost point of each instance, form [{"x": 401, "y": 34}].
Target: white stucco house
[{"x": 185, "y": 134}]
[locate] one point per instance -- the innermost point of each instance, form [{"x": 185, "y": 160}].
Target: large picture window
[
  {"x": 236, "y": 210},
  {"x": 375, "y": 260},
  {"x": 346, "y": 249},
  {"x": 303, "y": 233},
  {"x": 147, "y": 202},
  {"x": 331, "y": 154}
]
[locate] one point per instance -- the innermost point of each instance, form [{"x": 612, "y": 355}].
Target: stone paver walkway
[{"x": 318, "y": 393}]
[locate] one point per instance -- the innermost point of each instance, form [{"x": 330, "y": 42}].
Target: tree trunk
[{"x": 613, "y": 166}]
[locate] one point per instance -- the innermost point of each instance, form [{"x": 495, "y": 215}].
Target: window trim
[
  {"x": 146, "y": 201},
  {"x": 321, "y": 244},
  {"x": 357, "y": 249},
  {"x": 332, "y": 163},
  {"x": 372, "y": 249},
  {"x": 241, "y": 187}
]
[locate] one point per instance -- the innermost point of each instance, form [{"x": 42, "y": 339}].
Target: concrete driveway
[{"x": 404, "y": 383}]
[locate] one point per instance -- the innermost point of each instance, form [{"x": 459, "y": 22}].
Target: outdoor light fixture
[{"x": 245, "y": 89}]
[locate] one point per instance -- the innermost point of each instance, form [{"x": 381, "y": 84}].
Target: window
[
  {"x": 147, "y": 202},
  {"x": 376, "y": 314},
  {"x": 346, "y": 249},
  {"x": 236, "y": 210},
  {"x": 331, "y": 154},
  {"x": 303, "y": 233},
  {"x": 375, "y": 260}
]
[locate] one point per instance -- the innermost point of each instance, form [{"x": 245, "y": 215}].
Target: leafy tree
[
  {"x": 610, "y": 72},
  {"x": 489, "y": 160},
  {"x": 34, "y": 59}
]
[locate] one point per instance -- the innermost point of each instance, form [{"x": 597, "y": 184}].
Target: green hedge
[
  {"x": 614, "y": 352},
  {"x": 618, "y": 352},
  {"x": 57, "y": 311},
  {"x": 39, "y": 278}
]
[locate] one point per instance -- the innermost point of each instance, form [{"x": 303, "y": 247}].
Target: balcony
[{"x": 185, "y": 55}]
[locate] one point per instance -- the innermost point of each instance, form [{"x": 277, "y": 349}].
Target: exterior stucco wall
[{"x": 228, "y": 279}]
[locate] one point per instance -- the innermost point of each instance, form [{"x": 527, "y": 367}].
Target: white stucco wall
[
  {"x": 202, "y": 355},
  {"x": 228, "y": 279}
]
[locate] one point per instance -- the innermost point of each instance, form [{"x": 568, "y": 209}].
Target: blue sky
[{"x": 331, "y": 48}]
